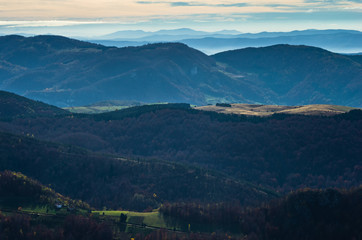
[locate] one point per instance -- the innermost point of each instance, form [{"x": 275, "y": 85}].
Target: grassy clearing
[
  {"x": 267, "y": 110},
  {"x": 41, "y": 209},
  {"x": 94, "y": 110},
  {"x": 139, "y": 222},
  {"x": 151, "y": 219}
]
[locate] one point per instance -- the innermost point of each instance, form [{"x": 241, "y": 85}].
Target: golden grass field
[{"x": 267, "y": 110}]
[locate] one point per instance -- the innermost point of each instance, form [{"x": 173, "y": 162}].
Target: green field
[
  {"x": 150, "y": 219},
  {"x": 143, "y": 222},
  {"x": 107, "y": 106},
  {"x": 95, "y": 109}
]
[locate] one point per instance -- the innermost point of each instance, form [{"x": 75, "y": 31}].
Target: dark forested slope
[
  {"x": 15, "y": 106},
  {"x": 119, "y": 182},
  {"x": 282, "y": 151},
  {"x": 17, "y": 190},
  {"x": 305, "y": 214}
]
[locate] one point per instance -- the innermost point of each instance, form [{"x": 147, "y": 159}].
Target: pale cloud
[
  {"x": 55, "y": 13},
  {"x": 255, "y": 6},
  {"x": 194, "y": 4},
  {"x": 65, "y": 9},
  {"x": 47, "y": 9},
  {"x": 50, "y": 23}
]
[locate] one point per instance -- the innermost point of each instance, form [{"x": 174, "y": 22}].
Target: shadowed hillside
[
  {"x": 15, "y": 106},
  {"x": 119, "y": 182},
  {"x": 17, "y": 190},
  {"x": 305, "y": 214},
  {"x": 282, "y": 151}
]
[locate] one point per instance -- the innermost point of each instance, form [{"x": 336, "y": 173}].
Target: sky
[{"x": 98, "y": 17}]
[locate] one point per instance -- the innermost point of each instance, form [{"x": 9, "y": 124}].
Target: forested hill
[
  {"x": 15, "y": 106},
  {"x": 67, "y": 72},
  {"x": 64, "y": 72},
  {"x": 305, "y": 214},
  {"x": 283, "y": 151},
  {"x": 116, "y": 182},
  {"x": 299, "y": 75},
  {"x": 16, "y": 190}
]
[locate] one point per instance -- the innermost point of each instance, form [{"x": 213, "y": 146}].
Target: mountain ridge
[
  {"x": 335, "y": 40},
  {"x": 293, "y": 73},
  {"x": 67, "y": 72}
]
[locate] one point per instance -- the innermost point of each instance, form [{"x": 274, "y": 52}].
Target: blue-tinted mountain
[
  {"x": 165, "y": 35},
  {"x": 68, "y": 72},
  {"x": 125, "y": 34},
  {"x": 335, "y": 40},
  {"x": 65, "y": 72},
  {"x": 344, "y": 42},
  {"x": 297, "y": 75},
  {"x": 296, "y": 33},
  {"x": 119, "y": 43}
]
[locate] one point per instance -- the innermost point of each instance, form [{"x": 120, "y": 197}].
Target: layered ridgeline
[
  {"x": 342, "y": 41},
  {"x": 282, "y": 151},
  {"x": 336, "y": 40},
  {"x": 67, "y": 72},
  {"x": 64, "y": 72}
]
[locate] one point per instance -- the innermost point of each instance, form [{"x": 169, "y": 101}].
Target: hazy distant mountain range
[
  {"x": 166, "y": 35},
  {"x": 68, "y": 72},
  {"x": 344, "y": 41}
]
